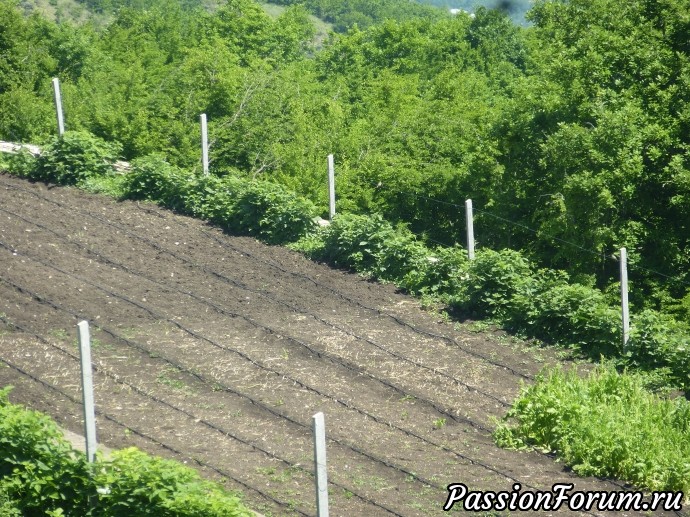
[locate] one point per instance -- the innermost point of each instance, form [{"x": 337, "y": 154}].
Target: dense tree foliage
[
  {"x": 571, "y": 136},
  {"x": 613, "y": 156}
]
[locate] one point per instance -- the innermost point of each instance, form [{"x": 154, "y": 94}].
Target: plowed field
[{"x": 217, "y": 350}]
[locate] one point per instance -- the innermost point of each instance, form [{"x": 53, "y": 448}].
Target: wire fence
[
  {"x": 678, "y": 278},
  {"x": 602, "y": 254}
]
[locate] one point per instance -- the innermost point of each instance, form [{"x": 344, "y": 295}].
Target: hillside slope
[{"x": 217, "y": 350}]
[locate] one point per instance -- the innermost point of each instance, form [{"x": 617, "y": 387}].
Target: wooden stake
[
  {"x": 58, "y": 106},
  {"x": 87, "y": 390},
  {"x": 321, "y": 474},
  {"x": 204, "y": 144}
]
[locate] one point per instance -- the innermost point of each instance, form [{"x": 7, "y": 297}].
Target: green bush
[
  {"x": 573, "y": 314},
  {"x": 73, "y": 157},
  {"x": 259, "y": 208},
  {"x": 369, "y": 245},
  {"x": 271, "y": 213},
  {"x": 40, "y": 474},
  {"x": 658, "y": 341},
  {"x": 443, "y": 274},
  {"x": 496, "y": 278},
  {"x": 213, "y": 198},
  {"x": 39, "y": 471},
  {"x": 374, "y": 247},
  {"x": 606, "y": 425},
  {"x": 23, "y": 163},
  {"x": 154, "y": 179},
  {"x": 140, "y": 485}
]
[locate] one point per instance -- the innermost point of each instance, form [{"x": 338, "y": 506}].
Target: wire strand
[{"x": 634, "y": 267}]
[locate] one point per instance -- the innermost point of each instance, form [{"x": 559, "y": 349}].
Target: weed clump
[{"x": 605, "y": 425}]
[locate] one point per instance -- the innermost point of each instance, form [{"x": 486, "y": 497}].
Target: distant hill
[
  {"x": 516, "y": 9},
  {"x": 322, "y": 27},
  {"x": 60, "y": 11},
  {"x": 328, "y": 14}
]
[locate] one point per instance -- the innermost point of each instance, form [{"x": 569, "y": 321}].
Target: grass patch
[
  {"x": 113, "y": 186},
  {"x": 605, "y": 425}
]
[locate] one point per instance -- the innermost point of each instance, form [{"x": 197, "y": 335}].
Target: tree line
[{"x": 571, "y": 135}]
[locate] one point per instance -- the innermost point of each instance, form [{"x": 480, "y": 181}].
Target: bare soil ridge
[{"x": 217, "y": 350}]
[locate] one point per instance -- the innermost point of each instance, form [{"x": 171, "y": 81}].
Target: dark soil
[{"x": 217, "y": 350}]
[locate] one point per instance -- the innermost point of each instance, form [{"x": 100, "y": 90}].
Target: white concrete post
[
  {"x": 321, "y": 474},
  {"x": 469, "y": 218},
  {"x": 624, "y": 296},
  {"x": 204, "y": 144},
  {"x": 58, "y": 106},
  {"x": 331, "y": 187},
  {"x": 87, "y": 390}
]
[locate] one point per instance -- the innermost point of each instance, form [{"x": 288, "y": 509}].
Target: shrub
[
  {"x": 141, "y": 485},
  {"x": 658, "y": 341},
  {"x": 154, "y": 179},
  {"x": 577, "y": 315},
  {"x": 73, "y": 157},
  {"x": 496, "y": 278},
  {"x": 265, "y": 210},
  {"x": 23, "y": 163},
  {"x": 40, "y": 474},
  {"x": 213, "y": 198},
  {"x": 259, "y": 208},
  {"x": 271, "y": 213},
  {"x": 369, "y": 245},
  {"x": 39, "y": 471},
  {"x": 443, "y": 274}
]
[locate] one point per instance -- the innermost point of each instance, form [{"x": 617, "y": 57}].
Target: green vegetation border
[
  {"x": 503, "y": 285},
  {"x": 500, "y": 285}
]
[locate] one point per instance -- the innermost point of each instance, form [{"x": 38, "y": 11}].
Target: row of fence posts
[
  {"x": 469, "y": 218},
  {"x": 318, "y": 421},
  {"x": 319, "y": 427}
]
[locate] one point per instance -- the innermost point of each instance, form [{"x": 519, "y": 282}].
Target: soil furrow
[
  {"x": 423, "y": 346},
  {"x": 340, "y": 344},
  {"x": 199, "y": 406},
  {"x": 180, "y": 240},
  {"x": 270, "y": 392},
  {"x": 263, "y": 339}
]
